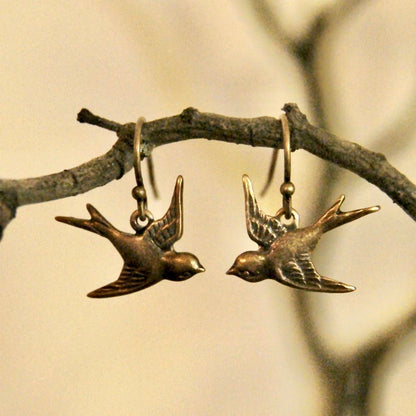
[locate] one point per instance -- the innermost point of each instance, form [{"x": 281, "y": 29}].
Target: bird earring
[
  {"x": 148, "y": 254},
  {"x": 284, "y": 252}
]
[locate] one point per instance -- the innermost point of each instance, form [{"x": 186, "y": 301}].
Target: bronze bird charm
[
  {"x": 148, "y": 254},
  {"x": 284, "y": 253}
]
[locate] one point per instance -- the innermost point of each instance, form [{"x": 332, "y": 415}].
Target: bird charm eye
[{"x": 247, "y": 273}]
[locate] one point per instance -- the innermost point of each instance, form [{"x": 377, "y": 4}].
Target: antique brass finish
[
  {"x": 284, "y": 249},
  {"x": 284, "y": 254},
  {"x": 148, "y": 255},
  {"x": 287, "y": 189},
  {"x": 139, "y": 191}
]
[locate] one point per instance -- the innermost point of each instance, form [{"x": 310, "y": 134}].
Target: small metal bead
[
  {"x": 139, "y": 193},
  {"x": 287, "y": 189}
]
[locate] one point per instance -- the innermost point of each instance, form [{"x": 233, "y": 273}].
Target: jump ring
[
  {"x": 294, "y": 215},
  {"x": 135, "y": 217}
]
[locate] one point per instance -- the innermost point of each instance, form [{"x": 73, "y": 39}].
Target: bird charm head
[
  {"x": 180, "y": 266},
  {"x": 250, "y": 266},
  {"x": 284, "y": 252}
]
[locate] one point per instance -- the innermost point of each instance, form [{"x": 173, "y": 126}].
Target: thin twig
[{"x": 85, "y": 116}]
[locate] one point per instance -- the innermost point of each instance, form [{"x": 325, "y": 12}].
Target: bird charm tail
[
  {"x": 97, "y": 224},
  {"x": 333, "y": 286},
  {"x": 334, "y": 217}
]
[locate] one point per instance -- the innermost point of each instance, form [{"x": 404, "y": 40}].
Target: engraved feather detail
[
  {"x": 168, "y": 229},
  {"x": 262, "y": 228},
  {"x": 130, "y": 280}
]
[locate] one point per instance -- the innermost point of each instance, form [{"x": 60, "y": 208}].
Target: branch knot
[{"x": 189, "y": 114}]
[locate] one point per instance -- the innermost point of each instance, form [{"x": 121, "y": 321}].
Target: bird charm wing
[
  {"x": 262, "y": 228},
  {"x": 300, "y": 273},
  {"x": 131, "y": 280},
  {"x": 165, "y": 231}
]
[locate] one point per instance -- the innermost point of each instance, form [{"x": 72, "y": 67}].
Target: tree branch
[{"x": 260, "y": 131}]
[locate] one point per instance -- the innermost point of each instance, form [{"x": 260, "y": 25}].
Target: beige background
[{"x": 214, "y": 345}]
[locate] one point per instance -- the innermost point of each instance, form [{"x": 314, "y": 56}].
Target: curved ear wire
[
  {"x": 139, "y": 191},
  {"x": 287, "y": 188},
  {"x": 137, "y": 151},
  {"x": 273, "y": 163}
]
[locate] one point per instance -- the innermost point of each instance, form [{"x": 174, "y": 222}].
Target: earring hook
[
  {"x": 137, "y": 147},
  {"x": 287, "y": 188},
  {"x": 139, "y": 191}
]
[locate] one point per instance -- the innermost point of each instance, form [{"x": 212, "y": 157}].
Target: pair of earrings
[{"x": 284, "y": 252}]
